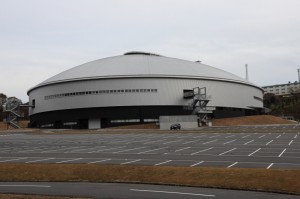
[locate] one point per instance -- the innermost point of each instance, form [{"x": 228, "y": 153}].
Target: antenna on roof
[{"x": 247, "y": 77}]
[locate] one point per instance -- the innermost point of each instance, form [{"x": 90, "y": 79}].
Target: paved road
[
  {"x": 132, "y": 191},
  {"x": 266, "y": 147}
]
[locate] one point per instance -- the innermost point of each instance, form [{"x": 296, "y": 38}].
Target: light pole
[{"x": 298, "y": 75}]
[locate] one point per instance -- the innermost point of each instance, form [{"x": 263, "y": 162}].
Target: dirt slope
[{"x": 250, "y": 120}]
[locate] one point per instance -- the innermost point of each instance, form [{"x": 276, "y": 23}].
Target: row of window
[
  {"x": 119, "y": 91},
  {"x": 111, "y": 121}
]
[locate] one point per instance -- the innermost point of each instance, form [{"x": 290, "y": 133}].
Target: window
[{"x": 33, "y": 103}]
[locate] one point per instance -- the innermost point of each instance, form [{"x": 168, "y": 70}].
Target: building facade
[
  {"x": 282, "y": 89},
  {"x": 136, "y": 87}
]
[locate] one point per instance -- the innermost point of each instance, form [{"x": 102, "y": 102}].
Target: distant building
[{"x": 282, "y": 89}]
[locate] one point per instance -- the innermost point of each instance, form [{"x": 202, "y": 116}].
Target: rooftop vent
[{"x": 141, "y": 53}]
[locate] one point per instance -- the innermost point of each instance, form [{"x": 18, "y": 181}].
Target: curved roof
[{"x": 141, "y": 64}]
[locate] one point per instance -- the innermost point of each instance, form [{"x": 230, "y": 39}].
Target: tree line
[{"x": 3, "y": 115}]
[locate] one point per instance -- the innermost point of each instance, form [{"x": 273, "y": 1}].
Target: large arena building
[{"x": 137, "y": 87}]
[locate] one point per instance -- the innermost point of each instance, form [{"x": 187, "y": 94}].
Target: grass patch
[{"x": 280, "y": 181}]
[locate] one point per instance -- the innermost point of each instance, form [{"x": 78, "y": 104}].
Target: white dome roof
[{"x": 139, "y": 64}]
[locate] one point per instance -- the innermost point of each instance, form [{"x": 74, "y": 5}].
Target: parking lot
[{"x": 268, "y": 147}]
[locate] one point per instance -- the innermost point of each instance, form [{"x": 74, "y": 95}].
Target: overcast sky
[{"x": 40, "y": 38}]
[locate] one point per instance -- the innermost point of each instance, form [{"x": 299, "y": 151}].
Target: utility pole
[
  {"x": 298, "y": 75},
  {"x": 247, "y": 77}
]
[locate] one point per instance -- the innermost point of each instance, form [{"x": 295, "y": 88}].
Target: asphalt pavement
[
  {"x": 268, "y": 147},
  {"x": 132, "y": 191}
]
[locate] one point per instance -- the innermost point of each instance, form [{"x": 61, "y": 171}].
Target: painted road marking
[
  {"x": 196, "y": 164},
  {"x": 227, "y": 151},
  {"x": 232, "y": 165},
  {"x": 72, "y": 160},
  {"x": 61, "y": 149},
  {"x": 291, "y": 142},
  {"x": 248, "y": 142},
  {"x": 172, "y": 141},
  {"x": 202, "y": 150},
  {"x": 282, "y": 152},
  {"x": 270, "y": 165},
  {"x": 245, "y": 136},
  {"x": 214, "y": 136},
  {"x": 40, "y": 160},
  {"x": 151, "y": 150},
  {"x": 130, "y": 162},
  {"x": 229, "y": 142},
  {"x": 209, "y": 141},
  {"x": 278, "y": 136},
  {"x": 106, "y": 149},
  {"x": 254, "y": 152},
  {"x": 230, "y": 136},
  {"x": 262, "y": 136},
  {"x": 99, "y": 161},
  {"x": 162, "y": 162},
  {"x": 12, "y": 159},
  {"x": 173, "y": 192},
  {"x": 296, "y": 136},
  {"x": 21, "y": 185},
  {"x": 191, "y": 141},
  {"x": 182, "y": 149},
  {"x": 270, "y": 142},
  {"x": 129, "y": 149}
]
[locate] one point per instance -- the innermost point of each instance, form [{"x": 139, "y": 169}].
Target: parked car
[{"x": 175, "y": 127}]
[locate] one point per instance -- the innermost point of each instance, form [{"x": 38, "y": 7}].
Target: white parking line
[
  {"x": 130, "y": 162},
  {"x": 254, "y": 152},
  {"x": 191, "y": 141},
  {"x": 72, "y": 160},
  {"x": 262, "y": 136},
  {"x": 209, "y": 141},
  {"x": 227, "y": 151},
  {"x": 24, "y": 185},
  {"x": 39, "y": 160},
  {"x": 163, "y": 162},
  {"x": 172, "y": 192},
  {"x": 99, "y": 161},
  {"x": 229, "y": 142},
  {"x": 182, "y": 149},
  {"x": 291, "y": 142},
  {"x": 270, "y": 165},
  {"x": 248, "y": 142},
  {"x": 129, "y": 149},
  {"x": 172, "y": 141},
  {"x": 295, "y": 136},
  {"x": 61, "y": 149},
  {"x": 230, "y": 136},
  {"x": 202, "y": 151},
  {"x": 270, "y": 142},
  {"x": 13, "y": 159},
  {"x": 155, "y": 141},
  {"x": 151, "y": 150},
  {"x": 196, "y": 164},
  {"x": 278, "y": 136},
  {"x": 232, "y": 165},
  {"x": 214, "y": 136},
  {"x": 106, "y": 149},
  {"x": 282, "y": 153},
  {"x": 245, "y": 136}
]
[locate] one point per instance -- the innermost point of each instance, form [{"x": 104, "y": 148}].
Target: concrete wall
[{"x": 186, "y": 121}]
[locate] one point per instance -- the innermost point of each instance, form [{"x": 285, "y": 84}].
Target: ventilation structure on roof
[{"x": 141, "y": 53}]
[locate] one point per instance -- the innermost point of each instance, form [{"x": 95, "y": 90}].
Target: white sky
[{"x": 40, "y": 38}]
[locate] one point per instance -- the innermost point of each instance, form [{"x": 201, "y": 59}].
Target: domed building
[{"x": 136, "y": 87}]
